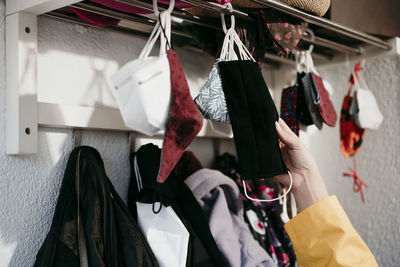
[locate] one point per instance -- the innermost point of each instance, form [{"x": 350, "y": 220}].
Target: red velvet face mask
[
  {"x": 325, "y": 106},
  {"x": 184, "y": 123}
]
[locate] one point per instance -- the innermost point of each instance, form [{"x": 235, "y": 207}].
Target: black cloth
[
  {"x": 202, "y": 251},
  {"x": 99, "y": 225},
  {"x": 253, "y": 115}
]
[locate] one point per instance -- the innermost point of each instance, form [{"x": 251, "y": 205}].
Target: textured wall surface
[
  {"x": 29, "y": 185},
  {"x": 378, "y": 160}
]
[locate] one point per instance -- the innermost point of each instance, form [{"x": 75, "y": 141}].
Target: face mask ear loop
[
  {"x": 137, "y": 174},
  {"x": 293, "y": 205},
  {"x": 157, "y": 191},
  {"x": 312, "y": 35},
  {"x": 169, "y": 10},
  {"x": 268, "y": 200}
]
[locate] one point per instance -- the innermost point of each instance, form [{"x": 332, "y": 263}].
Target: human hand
[{"x": 308, "y": 186}]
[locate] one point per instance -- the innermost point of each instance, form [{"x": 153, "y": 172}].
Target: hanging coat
[
  {"x": 220, "y": 199},
  {"x": 322, "y": 236},
  {"x": 97, "y": 230}
]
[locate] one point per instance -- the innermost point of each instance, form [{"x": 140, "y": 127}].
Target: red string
[
  {"x": 357, "y": 68},
  {"x": 357, "y": 182}
]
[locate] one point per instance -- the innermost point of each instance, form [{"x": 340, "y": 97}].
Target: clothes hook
[
  {"x": 132, "y": 142},
  {"x": 169, "y": 10},
  {"x": 230, "y": 8},
  {"x": 216, "y": 147},
  {"x": 312, "y": 35},
  {"x": 77, "y": 134}
]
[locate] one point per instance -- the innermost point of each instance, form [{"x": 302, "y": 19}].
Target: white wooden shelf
[{"x": 25, "y": 113}]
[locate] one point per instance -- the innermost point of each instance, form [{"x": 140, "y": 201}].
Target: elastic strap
[
  {"x": 231, "y": 40},
  {"x": 169, "y": 10},
  {"x": 156, "y": 192},
  {"x": 163, "y": 25},
  {"x": 167, "y": 35},
  {"x": 293, "y": 205},
  {"x": 312, "y": 34},
  {"x": 137, "y": 174},
  {"x": 269, "y": 200}
]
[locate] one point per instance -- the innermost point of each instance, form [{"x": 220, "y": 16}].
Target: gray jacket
[{"x": 219, "y": 197}]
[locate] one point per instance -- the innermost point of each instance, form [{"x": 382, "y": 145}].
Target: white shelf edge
[
  {"x": 95, "y": 118},
  {"x": 36, "y": 7}
]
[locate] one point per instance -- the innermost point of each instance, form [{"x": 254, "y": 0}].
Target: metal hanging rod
[
  {"x": 217, "y": 8},
  {"x": 133, "y": 29},
  {"x": 214, "y": 7},
  {"x": 119, "y": 15},
  {"x": 143, "y": 20},
  {"x": 325, "y": 23},
  {"x": 331, "y": 44},
  {"x": 176, "y": 13}
]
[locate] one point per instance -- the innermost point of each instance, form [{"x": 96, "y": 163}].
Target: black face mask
[
  {"x": 310, "y": 94},
  {"x": 302, "y": 113},
  {"x": 253, "y": 115},
  {"x": 307, "y": 95}
]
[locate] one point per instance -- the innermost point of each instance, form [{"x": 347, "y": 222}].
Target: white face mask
[
  {"x": 142, "y": 87},
  {"x": 364, "y": 108},
  {"x": 165, "y": 233}
]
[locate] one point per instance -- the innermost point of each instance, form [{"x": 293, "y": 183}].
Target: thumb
[{"x": 286, "y": 135}]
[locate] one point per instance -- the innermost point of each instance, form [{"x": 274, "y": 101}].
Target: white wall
[
  {"x": 378, "y": 160},
  {"x": 29, "y": 185}
]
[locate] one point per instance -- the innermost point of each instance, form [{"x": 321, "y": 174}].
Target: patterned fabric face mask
[
  {"x": 288, "y": 108},
  {"x": 351, "y": 136},
  {"x": 211, "y": 100}
]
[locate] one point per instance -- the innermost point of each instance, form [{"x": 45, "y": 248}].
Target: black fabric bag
[
  {"x": 253, "y": 115},
  {"x": 202, "y": 250},
  {"x": 97, "y": 230}
]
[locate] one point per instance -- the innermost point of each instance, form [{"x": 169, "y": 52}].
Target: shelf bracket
[
  {"x": 21, "y": 83},
  {"x": 21, "y": 72}
]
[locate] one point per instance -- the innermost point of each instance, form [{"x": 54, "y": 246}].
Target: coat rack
[{"x": 24, "y": 113}]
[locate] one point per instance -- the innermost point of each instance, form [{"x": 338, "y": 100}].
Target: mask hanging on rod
[
  {"x": 142, "y": 87},
  {"x": 252, "y": 114},
  {"x": 185, "y": 120}
]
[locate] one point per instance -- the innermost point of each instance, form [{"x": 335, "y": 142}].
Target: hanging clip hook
[
  {"x": 77, "y": 134},
  {"x": 230, "y": 8},
  {"x": 312, "y": 35},
  {"x": 169, "y": 10}
]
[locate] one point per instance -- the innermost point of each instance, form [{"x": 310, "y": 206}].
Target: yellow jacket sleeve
[{"x": 322, "y": 236}]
